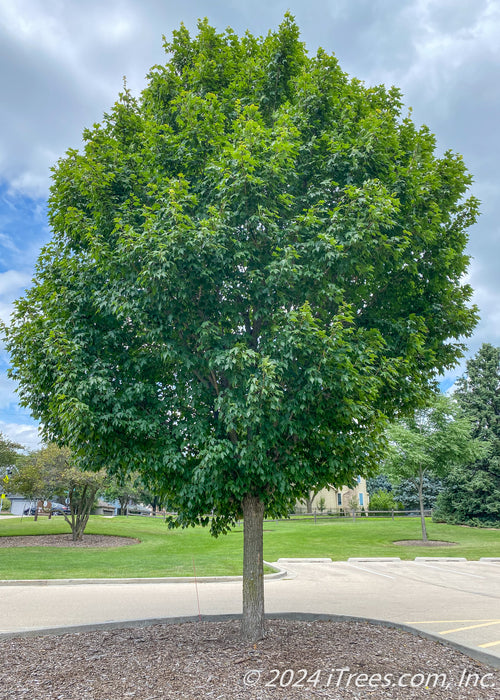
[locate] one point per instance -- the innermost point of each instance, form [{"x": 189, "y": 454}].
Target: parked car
[
  {"x": 56, "y": 509},
  {"x": 59, "y": 509}
]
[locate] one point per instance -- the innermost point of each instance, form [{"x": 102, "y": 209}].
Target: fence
[
  {"x": 360, "y": 513},
  {"x": 315, "y": 515}
]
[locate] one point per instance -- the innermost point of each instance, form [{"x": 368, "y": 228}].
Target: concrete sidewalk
[{"x": 455, "y": 601}]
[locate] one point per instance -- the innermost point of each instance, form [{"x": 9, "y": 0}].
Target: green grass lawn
[{"x": 164, "y": 552}]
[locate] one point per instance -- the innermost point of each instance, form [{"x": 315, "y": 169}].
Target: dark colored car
[{"x": 57, "y": 509}]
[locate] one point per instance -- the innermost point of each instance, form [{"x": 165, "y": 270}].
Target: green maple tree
[{"x": 253, "y": 265}]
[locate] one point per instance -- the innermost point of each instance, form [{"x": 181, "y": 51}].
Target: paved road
[{"x": 456, "y": 600}]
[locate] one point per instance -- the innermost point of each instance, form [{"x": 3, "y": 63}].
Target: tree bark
[
  {"x": 309, "y": 502},
  {"x": 253, "y": 623},
  {"x": 421, "y": 502}
]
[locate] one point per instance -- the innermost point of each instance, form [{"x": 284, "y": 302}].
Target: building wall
[
  {"x": 339, "y": 499},
  {"x": 19, "y": 504}
]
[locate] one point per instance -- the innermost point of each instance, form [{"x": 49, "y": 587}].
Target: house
[{"x": 342, "y": 500}]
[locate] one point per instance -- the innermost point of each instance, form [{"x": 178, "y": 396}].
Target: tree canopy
[
  {"x": 431, "y": 442},
  {"x": 472, "y": 492},
  {"x": 124, "y": 490},
  {"x": 9, "y": 457},
  {"x": 252, "y": 266},
  {"x": 50, "y": 473},
  {"x": 9, "y": 454},
  {"x": 405, "y": 491}
]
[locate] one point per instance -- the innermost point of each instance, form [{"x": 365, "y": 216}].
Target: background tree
[
  {"x": 472, "y": 492},
  {"x": 253, "y": 265},
  {"x": 50, "y": 464},
  {"x": 430, "y": 443},
  {"x": 379, "y": 482},
  {"x": 125, "y": 490},
  {"x": 28, "y": 480},
  {"x": 9, "y": 454},
  {"x": 9, "y": 457},
  {"x": 5, "y": 504},
  {"x": 407, "y": 492},
  {"x": 82, "y": 487},
  {"x": 49, "y": 474},
  {"x": 384, "y": 500},
  {"x": 150, "y": 498},
  {"x": 308, "y": 500}
]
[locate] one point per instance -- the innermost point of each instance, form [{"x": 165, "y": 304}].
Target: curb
[
  {"x": 278, "y": 574},
  {"x": 490, "y": 559},
  {"x": 482, "y": 657},
  {"x": 373, "y": 559},
  {"x": 453, "y": 560},
  {"x": 305, "y": 560}
]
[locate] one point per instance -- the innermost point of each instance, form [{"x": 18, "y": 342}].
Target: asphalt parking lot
[{"x": 455, "y": 600}]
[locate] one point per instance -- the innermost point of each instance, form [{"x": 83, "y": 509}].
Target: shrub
[
  {"x": 384, "y": 500},
  {"x": 6, "y": 504}
]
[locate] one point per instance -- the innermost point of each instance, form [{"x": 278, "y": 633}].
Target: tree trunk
[
  {"x": 421, "y": 501},
  {"x": 309, "y": 502},
  {"x": 253, "y": 624}
]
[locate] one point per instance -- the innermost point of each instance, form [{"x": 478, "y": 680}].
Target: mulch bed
[
  {"x": 66, "y": 541},
  {"x": 189, "y": 661},
  {"x": 421, "y": 543}
]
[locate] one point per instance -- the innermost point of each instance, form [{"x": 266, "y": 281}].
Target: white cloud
[
  {"x": 8, "y": 396},
  {"x": 25, "y": 435},
  {"x": 488, "y": 330},
  {"x": 12, "y": 283},
  {"x": 63, "y": 66},
  {"x": 444, "y": 46},
  {"x": 8, "y": 243}
]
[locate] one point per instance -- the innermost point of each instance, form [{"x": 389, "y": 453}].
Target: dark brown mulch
[
  {"x": 296, "y": 661},
  {"x": 421, "y": 543},
  {"x": 66, "y": 541}
]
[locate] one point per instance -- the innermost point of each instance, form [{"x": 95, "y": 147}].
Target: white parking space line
[
  {"x": 370, "y": 571},
  {"x": 444, "y": 570}
]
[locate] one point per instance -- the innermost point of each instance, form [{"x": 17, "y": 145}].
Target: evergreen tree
[
  {"x": 379, "y": 482},
  {"x": 473, "y": 491},
  {"x": 406, "y": 492}
]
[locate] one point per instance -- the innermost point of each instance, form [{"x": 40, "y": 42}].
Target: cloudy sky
[{"x": 62, "y": 64}]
